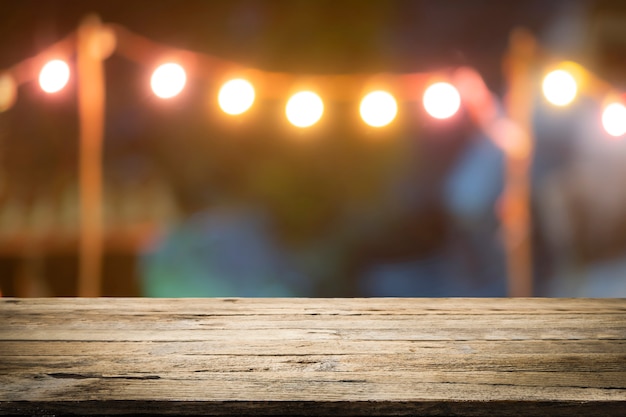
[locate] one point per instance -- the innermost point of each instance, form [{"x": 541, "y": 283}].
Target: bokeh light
[
  {"x": 614, "y": 119},
  {"x": 442, "y": 100},
  {"x": 560, "y": 88},
  {"x": 8, "y": 92},
  {"x": 54, "y": 76},
  {"x": 236, "y": 96},
  {"x": 168, "y": 80},
  {"x": 378, "y": 108},
  {"x": 304, "y": 109}
]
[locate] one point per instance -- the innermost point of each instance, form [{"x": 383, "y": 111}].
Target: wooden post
[
  {"x": 515, "y": 213},
  {"x": 91, "y": 98}
]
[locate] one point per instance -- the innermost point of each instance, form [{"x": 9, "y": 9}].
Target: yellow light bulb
[
  {"x": 614, "y": 119},
  {"x": 54, "y": 76},
  {"x": 236, "y": 96},
  {"x": 304, "y": 109},
  {"x": 168, "y": 80},
  {"x": 560, "y": 88},
  {"x": 441, "y": 100},
  {"x": 378, "y": 108}
]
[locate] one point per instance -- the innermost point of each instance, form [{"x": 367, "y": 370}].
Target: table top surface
[{"x": 313, "y": 356}]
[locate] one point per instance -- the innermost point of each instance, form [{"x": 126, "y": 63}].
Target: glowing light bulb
[
  {"x": 304, "y": 109},
  {"x": 236, "y": 96},
  {"x": 168, "y": 80},
  {"x": 560, "y": 88},
  {"x": 614, "y": 119},
  {"x": 442, "y": 100},
  {"x": 378, "y": 108},
  {"x": 54, "y": 76}
]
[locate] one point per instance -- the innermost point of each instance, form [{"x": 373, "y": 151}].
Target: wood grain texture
[{"x": 313, "y": 356}]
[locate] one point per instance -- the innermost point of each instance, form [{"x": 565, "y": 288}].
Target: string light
[
  {"x": 560, "y": 88},
  {"x": 614, "y": 119},
  {"x": 54, "y": 76},
  {"x": 304, "y": 109},
  {"x": 168, "y": 80},
  {"x": 236, "y": 96},
  {"x": 378, "y": 108},
  {"x": 442, "y": 100}
]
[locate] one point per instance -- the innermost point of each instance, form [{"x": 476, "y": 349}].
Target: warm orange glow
[
  {"x": 614, "y": 119},
  {"x": 8, "y": 92},
  {"x": 510, "y": 137},
  {"x": 378, "y": 108},
  {"x": 560, "y": 87},
  {"x": 168, "y": 80},
  {"x": 103, "y": 45},
  {"x": 54, "y": 76},
  {"x": 304, "y": 109},
  {"x": 236, "y": 96},
  {"x": 441, "y": 100}
]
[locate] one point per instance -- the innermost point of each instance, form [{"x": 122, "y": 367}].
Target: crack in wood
[{"x": 64, "y": 375}]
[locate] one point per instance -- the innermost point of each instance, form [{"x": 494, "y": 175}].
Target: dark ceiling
[{"x": 296, "y": 35}]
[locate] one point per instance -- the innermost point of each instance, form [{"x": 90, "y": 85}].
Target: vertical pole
[
  {"x": 516, "y": 216},
  {"x": 91, "y": 96}
]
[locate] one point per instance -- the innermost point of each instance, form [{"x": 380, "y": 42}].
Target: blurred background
[{"x": 200, "y": 204}]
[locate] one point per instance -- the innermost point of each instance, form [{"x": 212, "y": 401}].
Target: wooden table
[{"x": 313, "y": 356}]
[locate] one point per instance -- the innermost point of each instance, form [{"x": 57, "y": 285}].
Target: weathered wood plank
[
  {"x": 339, "y": 347},
  {"x": 313, "y": 356},
  {"x": 343, "y": 306},
  {"x": 122, "y": 364},
  {"x": 191, "y": 322}
]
